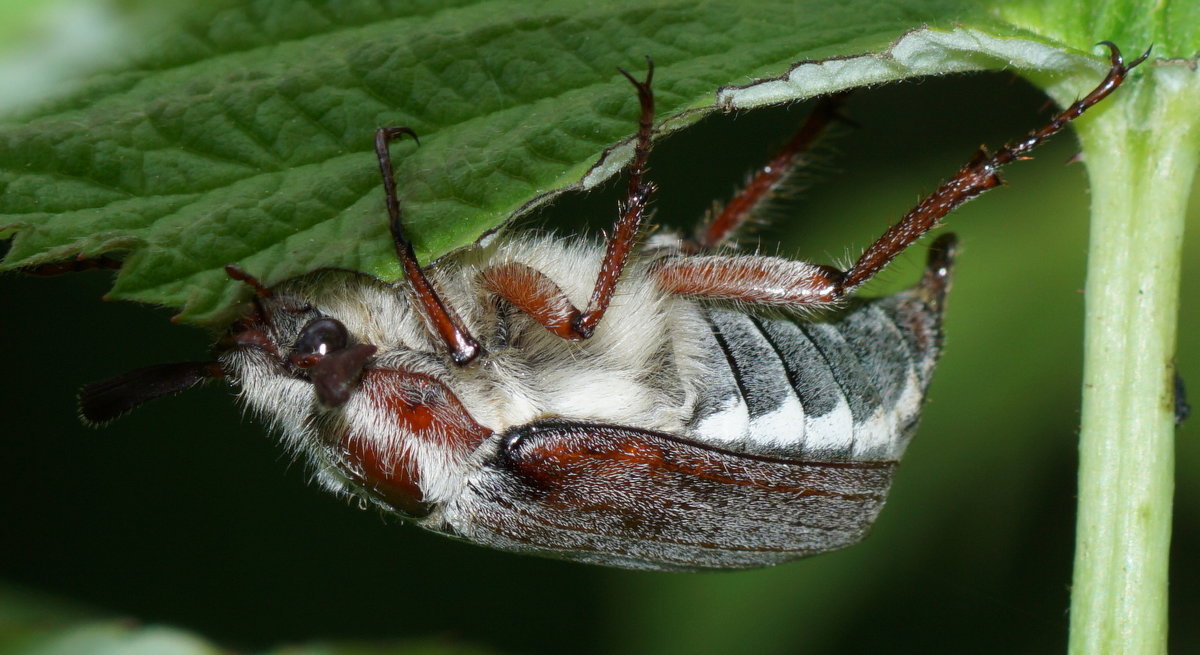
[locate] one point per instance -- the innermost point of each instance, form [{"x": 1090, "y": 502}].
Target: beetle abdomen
[{"x": 846, "y": 389}]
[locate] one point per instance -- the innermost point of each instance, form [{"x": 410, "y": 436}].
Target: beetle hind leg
[
  {"x": 771, "y": 281},
  {"x": 979, "y": 174}
]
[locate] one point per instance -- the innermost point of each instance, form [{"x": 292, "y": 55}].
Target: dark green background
[{"x": 187, "y": 514}]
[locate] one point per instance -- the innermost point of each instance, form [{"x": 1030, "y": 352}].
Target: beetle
[{"x": 654, "y": 404}]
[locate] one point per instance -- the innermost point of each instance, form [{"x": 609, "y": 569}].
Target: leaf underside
[{"x": 243, "y": 134}]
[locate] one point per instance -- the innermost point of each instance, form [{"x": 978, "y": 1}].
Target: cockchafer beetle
[{"x": 688, "y": 417}]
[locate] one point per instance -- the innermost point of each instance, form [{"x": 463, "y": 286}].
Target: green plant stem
[{"x": 1141, "y": 155}]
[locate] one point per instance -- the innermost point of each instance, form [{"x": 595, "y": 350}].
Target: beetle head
[{"x": 339, "y": 365}]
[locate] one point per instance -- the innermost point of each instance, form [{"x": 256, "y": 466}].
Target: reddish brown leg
[
  {"x": 783, "y": 282},
  {"x": 441, "y": 318},
  {"x": 979, "y": 175},
  {"x": 530, "y": 291},
  {"x": 750, "y": 279},
  {"x": 239, "y": 274},
  {"x": 537, "y": 295},
  {"x": 624, "y": 234},
  {"x": 247, "y": 335},
  {"x": 720, "y": 227},
  {"x": 768, "y": 280}
]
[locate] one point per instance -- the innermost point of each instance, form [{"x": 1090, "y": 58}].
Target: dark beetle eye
[{"x": 319, "y": 338}]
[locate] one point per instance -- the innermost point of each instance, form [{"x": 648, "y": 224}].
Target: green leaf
[
  {"x": 241, "y": 132},
  {"x": 114, "y": 638},
  {"x": 1173, "y": 28},
  {"x": 124, "y": 638}
]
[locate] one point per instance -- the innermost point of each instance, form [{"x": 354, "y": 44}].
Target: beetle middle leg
[
  {"x": 537, "y": 295},
  {"x": 775, "y": 281}
]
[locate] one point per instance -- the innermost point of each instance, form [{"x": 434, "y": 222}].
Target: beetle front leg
[{"x": 440, "y": 317}]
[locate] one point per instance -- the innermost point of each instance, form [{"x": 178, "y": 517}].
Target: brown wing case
[{"x": 626, "y": 497}]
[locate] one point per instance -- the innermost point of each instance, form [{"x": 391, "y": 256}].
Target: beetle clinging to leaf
[{"x": 653, "y": 403}]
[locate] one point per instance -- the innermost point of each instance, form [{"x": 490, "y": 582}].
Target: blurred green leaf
[
  {"x": 32, "y": 624},
  {"x": 115, "y": 639}
]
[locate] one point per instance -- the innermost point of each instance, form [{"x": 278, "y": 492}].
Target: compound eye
[{"x": 319, "y": 338}]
